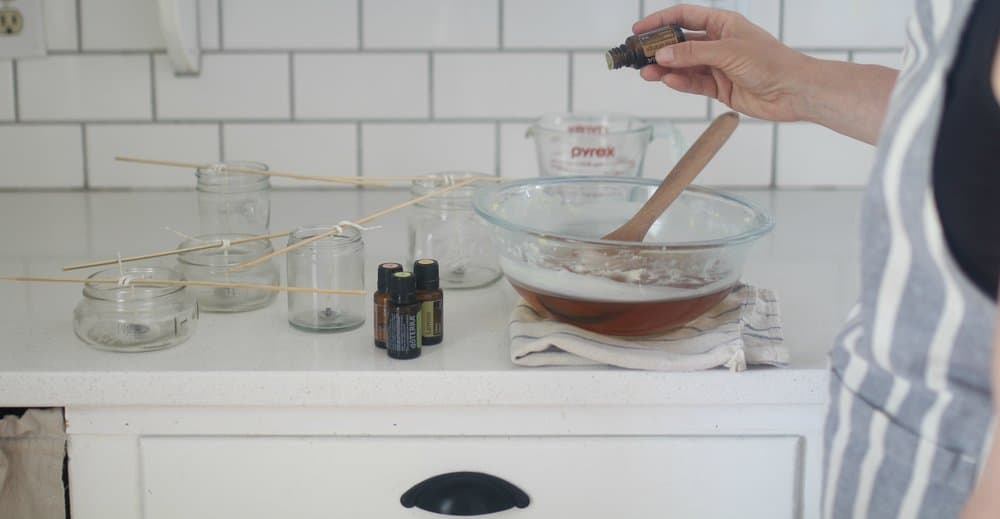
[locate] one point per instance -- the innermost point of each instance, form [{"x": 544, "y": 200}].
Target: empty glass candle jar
[
  {"x": 445, "y": 228},
  {"x": 213, "y": 265},
  {"x": 135, "y": 318},
  {"x": 234, "y": 202},
  {"x": 335, "y": 262}
]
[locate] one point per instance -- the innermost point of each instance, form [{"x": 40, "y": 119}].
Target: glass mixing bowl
[{"x": 548, "y": 234}]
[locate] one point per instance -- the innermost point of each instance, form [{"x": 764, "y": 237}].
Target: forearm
[{"x": 848, "y": 98}]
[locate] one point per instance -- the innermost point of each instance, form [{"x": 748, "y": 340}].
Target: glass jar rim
[
  {"x": 121, "y": 294},
  {"x": 212, "y": 177},
  {"x": 434, "y": 181},
  {"x": 238, "y": 253},
  {"x": 347, "y": 236}
]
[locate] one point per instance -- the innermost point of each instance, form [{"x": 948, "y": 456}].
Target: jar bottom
[
  {"x": 126, "y": 337},
  {"x": 326, "y": 320},
  {"x": 469, "y": 277},
  {"x": 232, "y": 300}
]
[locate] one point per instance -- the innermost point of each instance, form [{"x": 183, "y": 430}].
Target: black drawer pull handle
[{"x": 464, "y": 493}]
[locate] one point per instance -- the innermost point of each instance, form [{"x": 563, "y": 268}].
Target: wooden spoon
[{"x": 694, "y": 160}]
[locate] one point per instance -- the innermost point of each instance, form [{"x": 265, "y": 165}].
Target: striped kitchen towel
[{"x": 745, "y": 328}]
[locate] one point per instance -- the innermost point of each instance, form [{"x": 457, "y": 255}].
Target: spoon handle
[{"x": 684, "y": 172}]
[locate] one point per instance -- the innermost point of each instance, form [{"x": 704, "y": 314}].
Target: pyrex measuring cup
[{"x": 598, "y": 144}]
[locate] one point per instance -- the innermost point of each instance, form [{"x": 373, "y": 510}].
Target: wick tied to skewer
[
  {"x": 130, "y": 281},
  {"x": 359, "y": 221},
  {"x": 195, "y": 248},
  {"x": 220, "y": 167}
]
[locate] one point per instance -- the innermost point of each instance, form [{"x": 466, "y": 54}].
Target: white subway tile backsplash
[
  {"x": 81, "y": 87},
  {"x": 518, "y": 158},
  {"x": 308, "y": 148},
  {"x": 500, "y": 85},
  {"x": 846, "y": 23},
  {"x": 886, "y": 59},
  {"x": 420, "y": 148},
  {"x": 184, "y": 142},
  {"x": 60, "y": 24},
  {"x": 765, "y": 13},
  {"x": 597, "y": 89},
  {"x": 811, "y": 155},
  {"x": 208, "y": 24},
  {"x": 41, "y": 156},
  {"x": 302, "y": 24},
  {"x": 120, "y": 25},
  {"x": 234, "y": 86},
  {"x": 361, "y": 86},
  {"x": 6, "y": 90},
  {"x": 431, "y": 24},
  {"x": 562, "y": 24},
  {"x": 745, "y": 160}
]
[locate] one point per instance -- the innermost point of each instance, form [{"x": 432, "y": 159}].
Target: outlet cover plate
[{"x": 30, "y": 41}]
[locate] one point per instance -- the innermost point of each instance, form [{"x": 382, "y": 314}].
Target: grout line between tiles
[
  {"x": 569, "y": 82},
  {"x": 152, "y": 86},
  {"x": 500, "y": 27},
  {"x": 358, "y": 161},
  {"x": 361, "y": 24},
  {"x": 496, "y": 148},
  {"x": 430, "y": 85},
  {"x": 15, "y": 92},
  {"x": 222, "y": 40},
  {"x": 642, "y": 9},
  {"x": 86, "y": 157},
  {"x": 79, "y": 26},
  {"x": 774, "y": 155},
  {"x": 291, "y": 85},
  {"x": 306, "y": 121},
  {"x": 222, "y": 143}
]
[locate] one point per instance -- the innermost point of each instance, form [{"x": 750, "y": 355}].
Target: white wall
[{"x": 387, "y": 87}]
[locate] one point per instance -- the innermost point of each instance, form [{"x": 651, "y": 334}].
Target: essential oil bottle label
[
  {"x": 430, "y": 314},
  {"x": 403, "y": 334}
]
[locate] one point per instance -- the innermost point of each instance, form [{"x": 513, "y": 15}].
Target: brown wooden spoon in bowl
[{"x": 691, "y": 164}]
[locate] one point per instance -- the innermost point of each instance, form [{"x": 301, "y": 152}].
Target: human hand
[{"x": 731, "y": 60}]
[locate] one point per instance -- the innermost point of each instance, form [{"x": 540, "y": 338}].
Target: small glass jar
[
  {"x": 213, "y": 265},
  {"x": 135, "y": 318},
  {"x": 233, "y": 202},
  {"x": 445, "y": 228},
  {"x": 335, "y": 262}
]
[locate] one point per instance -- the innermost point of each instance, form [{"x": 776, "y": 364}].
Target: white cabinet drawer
[{"x": 364, "y": 477}]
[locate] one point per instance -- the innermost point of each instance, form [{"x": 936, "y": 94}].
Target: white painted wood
[
  {"x": 104, "y": 476},
  {"x": 565, "y": 477}
]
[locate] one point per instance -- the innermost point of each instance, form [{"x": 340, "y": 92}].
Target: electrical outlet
[{"x": 22, "y": 29}]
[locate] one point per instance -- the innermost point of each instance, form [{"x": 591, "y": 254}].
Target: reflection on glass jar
[
  {"x": 445, "y": 228},
  {"x": 213, "y": 265},
  {"x": 135, "y": 318},
  {"x": 336, "y": 262},
  {"x": 233, "y": 202}
]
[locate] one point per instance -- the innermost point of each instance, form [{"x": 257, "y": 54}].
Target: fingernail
[{"x": 665, "y": 55}]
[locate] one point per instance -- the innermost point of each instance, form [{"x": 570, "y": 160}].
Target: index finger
[{"x": 691, "y": 17}]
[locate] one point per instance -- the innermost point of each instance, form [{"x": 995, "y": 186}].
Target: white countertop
[{"x": 256, "y": 359}]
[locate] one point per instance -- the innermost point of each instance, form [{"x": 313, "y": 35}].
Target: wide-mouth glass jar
[
  {"x": 334, "y": 262},
  {"x": 135, "y": 318},
  {"x": 214, "y": 264},
  {"x": 234, "y": 202},
  {"x": 446, "y": 228}
]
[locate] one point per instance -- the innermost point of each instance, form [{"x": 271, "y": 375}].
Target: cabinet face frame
[{"x": 106, "y": 466}]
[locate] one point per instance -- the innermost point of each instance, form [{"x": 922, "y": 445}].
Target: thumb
[{"x": 715, "y": 53}]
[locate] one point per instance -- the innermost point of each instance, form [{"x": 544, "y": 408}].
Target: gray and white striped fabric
[{"x": 911, "y": 407}]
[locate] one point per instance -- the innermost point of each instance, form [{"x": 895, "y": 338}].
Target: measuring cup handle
[{"x": 667, "y": 131}]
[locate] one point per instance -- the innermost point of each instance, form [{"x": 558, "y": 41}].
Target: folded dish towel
[
  {"x": 745, "y": 328},
  {"x": 32, "y": 449}
]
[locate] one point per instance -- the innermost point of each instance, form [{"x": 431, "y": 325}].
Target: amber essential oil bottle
[
  {"x": 431, "y": 299},
  {"x": 639, "y": 50},
  {"x": 381, "y": 298},
  {"x": 402, "y": 333}
]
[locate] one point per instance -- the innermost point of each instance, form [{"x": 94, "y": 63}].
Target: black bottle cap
[
  {"x": 403, "y": 288},
  {"x": 385, "y": 270},
  {"x": 426, "y": 271}
]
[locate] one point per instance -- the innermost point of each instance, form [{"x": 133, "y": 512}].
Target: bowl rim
[{"x": 481, "y": 202}]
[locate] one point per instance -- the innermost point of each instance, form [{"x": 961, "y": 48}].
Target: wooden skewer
[
  {"x": 171, "y": 252},
  {"x": 334, "y": 229},
  {"x": 380, "y": 182},
  {"x": 174, "y": 282}
]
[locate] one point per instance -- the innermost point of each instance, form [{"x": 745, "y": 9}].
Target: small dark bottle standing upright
[
  {"x": 385, "y": 270},
  {"x": 403, "y": 336},
  {"x": 639, "y": 50},
  {"x": 431, "y": 299}
]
